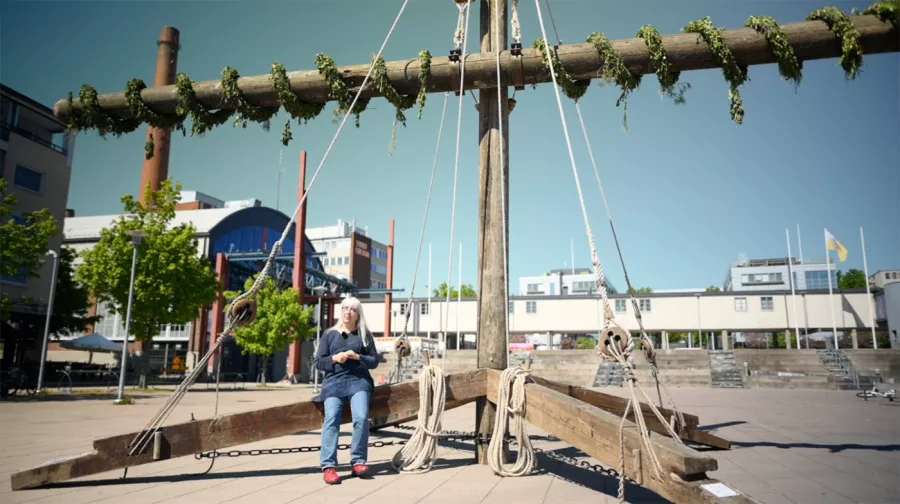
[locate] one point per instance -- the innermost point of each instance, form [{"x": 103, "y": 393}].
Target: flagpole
[
  {"x": 429, "y": 287},
  {"x": 572, "y": 243},
  {"x": 862, "y": 239},
  {"x": 799, "y": 243},
  {"x": 459, "y": 296},
  {"x": 793, "y": 293},
  {"x": 830, "y": 291}
]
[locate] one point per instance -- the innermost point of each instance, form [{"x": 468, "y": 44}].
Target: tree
[
  {"x": 713, "y": 288},
  {"x": 641, "y": 290},
  {"x": 25, "y": 242},
  {"x": 280, "y": 320},
  {"x": 587, "y": 343},
  {"x": 71, "y": 301},
  {"x": 467, "y": 291},
  {"x": 852, "y": 279},
  {"x": 171, "y": 282}
]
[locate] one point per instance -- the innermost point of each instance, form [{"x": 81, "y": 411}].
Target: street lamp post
[
  {"x": 40, "y": 383},
  {"x": 136, "y": 236},
  {"x": 318, "y": 290}
]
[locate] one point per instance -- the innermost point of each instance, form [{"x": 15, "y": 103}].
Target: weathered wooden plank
[
  {"x": 811, "y": 40},
  {"x": 398, "y": 402},
  {"x": 616, "y": 405},
  {"x": 595, "y": 432}
]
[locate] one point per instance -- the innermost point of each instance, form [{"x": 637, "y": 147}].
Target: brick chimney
[{"x": 156, "y": 169}]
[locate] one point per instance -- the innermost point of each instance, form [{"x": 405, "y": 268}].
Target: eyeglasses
[{"x": 349, "y": 309}]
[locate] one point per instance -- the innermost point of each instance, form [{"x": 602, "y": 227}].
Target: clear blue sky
[{"x": 689, "y": 190}]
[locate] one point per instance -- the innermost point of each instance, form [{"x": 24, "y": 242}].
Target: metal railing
[{"x": 5, "y": 128}]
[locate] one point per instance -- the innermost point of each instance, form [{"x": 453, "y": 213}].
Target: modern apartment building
[
  {"x": 561, "y": 282},
  {"x": 350, "y": 253},
  {"x": 880, "y": 279},
  {"x": 775, "y": 275},
  {"x": 36, "y": 161}
]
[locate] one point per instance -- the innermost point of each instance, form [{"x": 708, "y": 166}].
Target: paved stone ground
[{"x": 791, "y": 446}]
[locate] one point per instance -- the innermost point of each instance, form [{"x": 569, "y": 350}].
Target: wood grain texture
[
  {"x": 811, "y": 40},
  {"x": 397, "y": 403}
]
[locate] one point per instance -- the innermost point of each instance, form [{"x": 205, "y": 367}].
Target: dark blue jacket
[{"x": 344, "y": 380}]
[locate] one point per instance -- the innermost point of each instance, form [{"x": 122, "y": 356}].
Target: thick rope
[
  {"x": 143, "y": 438},
  {"x": 462, "y": 74},
  {"x": 516, "y": 26},
  {"x": 501, "y": 163},
  {"x": 511, "y": 402},
  {"x": 419, "y": 453}
]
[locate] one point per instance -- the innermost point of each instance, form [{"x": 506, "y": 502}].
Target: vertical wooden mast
[{"x": 492, "y": 171}]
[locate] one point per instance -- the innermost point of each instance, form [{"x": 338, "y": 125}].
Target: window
[
  {"x": 583, "y": 287},
  {"x": 620, "y": 306},
  {"x": 402, "y": 308},
  {"x": 766, "y": 303},
  {"x": 644, "y": 305},
  {"x": 424, "y": 308},
  {"x": 740, "y": 304},
  {"x": 29, "y": 179},
  {"x": 762, "y": 279},
  {"x": 534, "y": 289},
  {"x": 530, "y": 306},
  {"x": 819, "y": 279},
  {"x": 511, "y": 305}
]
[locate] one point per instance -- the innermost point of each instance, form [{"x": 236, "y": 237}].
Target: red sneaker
[
  {"x": 331, "y": 476},
  {"x": 360, "y": 470}
]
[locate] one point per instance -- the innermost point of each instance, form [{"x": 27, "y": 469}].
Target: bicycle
[
  {"x": 866, "y": 394},
  {"x": 18, "y": 380}
]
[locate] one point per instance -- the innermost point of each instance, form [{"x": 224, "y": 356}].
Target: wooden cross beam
[{"x": 810, "y": 40}]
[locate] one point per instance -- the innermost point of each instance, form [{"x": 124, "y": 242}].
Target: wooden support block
[
  {"x": 616, "y": 405},
  {"x": 396, "y": 403},
  {"x": 595, "y": 432}
]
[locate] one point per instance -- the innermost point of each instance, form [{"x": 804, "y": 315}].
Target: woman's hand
[
  {"x": 340, "y": 358},
  {"x": 352, "y": 355}
]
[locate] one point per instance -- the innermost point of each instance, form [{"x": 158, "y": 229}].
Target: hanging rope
[
  {"x": 419, "y": 453},
  {"x": 511, "y": 402},
  {"x": 462, "y": 76},
  {"x": 242, "y": 310},
  {"x": 516, "y": 26}
]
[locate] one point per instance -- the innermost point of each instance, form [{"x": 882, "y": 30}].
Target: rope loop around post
[
  {"x": 420, "y": 452},
  {"x": 511, "y": 401}
]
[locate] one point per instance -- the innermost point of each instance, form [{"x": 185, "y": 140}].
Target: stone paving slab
[{"x": 790, "y": 446}]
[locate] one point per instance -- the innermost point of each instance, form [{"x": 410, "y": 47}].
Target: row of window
[
  {"x": 334, "y": 245},
  {"x": 381, "y": 254},
  {"x": 377, "y": 268},
  {"x": 766, "y": 303},
  {"x": 378, "y": 284},
  {"x": 335, "y": 261},
  {"x": 531, "y": 306}
]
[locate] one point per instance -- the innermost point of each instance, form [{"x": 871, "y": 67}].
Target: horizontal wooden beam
[
  {"x": 811, "y": 40},
  {"x": 595, "y": 432},
  {"x": 398, "y": 402},
  {"x": 616, "y": 405}
]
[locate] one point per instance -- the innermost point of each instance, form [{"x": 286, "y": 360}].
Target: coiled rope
[
  {"x": 241, "y": 311},
  {"x": 420, "y": 452},
  {"x": 511, "y": 403}
]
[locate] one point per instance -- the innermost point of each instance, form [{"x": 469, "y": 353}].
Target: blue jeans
[{"x": 359, "y": 447}]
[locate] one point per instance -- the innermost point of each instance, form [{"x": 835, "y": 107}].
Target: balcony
[{"x": 6, "y": 128}]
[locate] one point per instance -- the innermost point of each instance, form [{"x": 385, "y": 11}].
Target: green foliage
[
  {"x": 401, "y": 102},
  {"x": 641, "y": 290},
  {"x": 844, "y": 29},
  {"x": 280, "y": 319},
  {"x": 338, "y": 89},
  {"x": 24, "y": 246},
  {"x": 788, "y": 65},
  {"x": 587, "y": 343},
  {"x": 572, "y": 88},
  {"x": 71, "y": 301},
  {"x": 615, "y": 72},
  {"x": 885, "y": 11},
  {"x": 713, "y": 288},
  {"x": 441, "y": 292},
  {"x": 852, "y": 279},
  {"x": 293, "y": 105},
  {"x": 171, "y": 281},
  {"x": 734, "y": 73},
  {"x": 660, "y": 64}
]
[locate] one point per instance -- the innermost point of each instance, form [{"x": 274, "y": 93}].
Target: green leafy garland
[
  {"x": 789, "y": 66},
  {"x": 844, "y": 29},
  {"x": 660, "y": 64},
  {"x": 615, "y": 72},
  {"x": 734, "y": 74},
  {"x": 92, "y": 116},
  {"x": 573, "y": 89}
]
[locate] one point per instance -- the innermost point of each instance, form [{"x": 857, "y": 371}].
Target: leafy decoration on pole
[{"x": 734, "y": 73}]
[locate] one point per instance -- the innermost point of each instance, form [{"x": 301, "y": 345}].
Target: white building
[
  {"x": 880, "y": 278},
  {"x": 575, "y": 281},
  {"x": 348, "y": 252},
  {"x": 775, "y": 275}
]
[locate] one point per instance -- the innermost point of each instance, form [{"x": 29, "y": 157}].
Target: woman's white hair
[{"x": 352, "y": 302}]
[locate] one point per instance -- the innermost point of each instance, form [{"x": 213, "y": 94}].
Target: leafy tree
[
  {"x": 641, "y": 290},
  {"x": 852, "y": 279},
  {"x": 171, "y": 283},
  {"x": 280, "y": 320},
  {"x": 71, "y": 301},
  {"x": 467, "y": 291},
  {"x": 587, "y": 343},
  {"x": 713, "y": 288},
  {"x": 25, "y": 242}
]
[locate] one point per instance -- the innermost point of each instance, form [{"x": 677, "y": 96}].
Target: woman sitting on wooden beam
[{"x": 346, "y": 354}]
